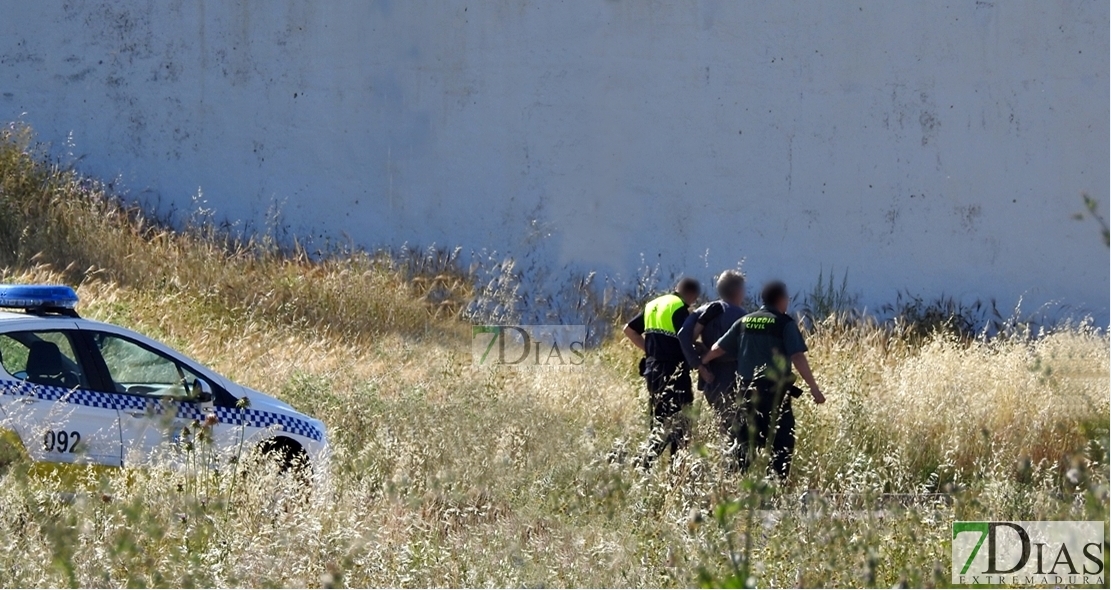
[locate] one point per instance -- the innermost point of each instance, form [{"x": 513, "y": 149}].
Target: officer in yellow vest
[{"x": 665, "y": 369}]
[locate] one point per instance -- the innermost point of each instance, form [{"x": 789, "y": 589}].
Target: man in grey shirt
[{"x": 700, "y": 331}]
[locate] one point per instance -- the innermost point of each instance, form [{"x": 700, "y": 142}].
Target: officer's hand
[
  {"x": 818, "y": 397},
  {"x": 706, "y": 374}
]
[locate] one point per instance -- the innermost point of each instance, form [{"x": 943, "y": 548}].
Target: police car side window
[
  {"x": 13, "y": 355},
  {"x": 139, "y": 370},
  {"x": 44, "y": 358}
]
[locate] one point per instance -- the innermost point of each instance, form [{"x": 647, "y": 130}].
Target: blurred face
[
  {"x": 782, "y": 304},
  {"x": 689, "y": 298}
]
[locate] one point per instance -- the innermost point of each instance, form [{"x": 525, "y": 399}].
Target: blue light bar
[{"x": 38, "y": 296}]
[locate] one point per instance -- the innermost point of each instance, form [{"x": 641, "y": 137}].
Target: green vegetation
[
  {"x": 1091, "y": 209},
  {"x": 827, "y": 298},
  {"x": 447, "y": 475}
]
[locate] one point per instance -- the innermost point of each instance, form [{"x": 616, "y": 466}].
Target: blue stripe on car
[{"x": 190, "y": 411}]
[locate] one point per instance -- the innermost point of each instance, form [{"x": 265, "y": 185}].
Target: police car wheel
[{"x": 289, "y": 455}]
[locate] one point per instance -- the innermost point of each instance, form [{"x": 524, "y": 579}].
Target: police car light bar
[{"x": 39, "y": 298}]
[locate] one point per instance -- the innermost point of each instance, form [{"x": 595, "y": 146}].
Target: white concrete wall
[{"x": 936, "y": 147}]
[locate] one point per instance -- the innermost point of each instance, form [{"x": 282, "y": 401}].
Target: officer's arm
[
  {"x": 687, "y": 335},
  {"x": 803, "y": 367},
  {"x": 796, "y": 347},
  {"x": 635, "y": 337},
  {"x": 727, "y": 342},
  {"x": 714, "y": 353},
  {"x": 710, "y": 314},
  {"x": 634, "y": 331}
]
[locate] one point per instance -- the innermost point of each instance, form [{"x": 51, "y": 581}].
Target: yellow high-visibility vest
[{"x": 658, "y": 313}]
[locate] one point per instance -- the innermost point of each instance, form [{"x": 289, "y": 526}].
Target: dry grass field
[{"x": 444, "y": 474}]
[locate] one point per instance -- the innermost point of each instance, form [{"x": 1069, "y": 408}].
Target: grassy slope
[{"x": 446, "y": 475}]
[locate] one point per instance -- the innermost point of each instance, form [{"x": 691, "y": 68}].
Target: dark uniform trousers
[
  {"x": 766, "y": 413},
  {"x": 669, "y": 393}
]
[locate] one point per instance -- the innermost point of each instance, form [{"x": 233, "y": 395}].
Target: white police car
[{"x": 79, "y": 391}]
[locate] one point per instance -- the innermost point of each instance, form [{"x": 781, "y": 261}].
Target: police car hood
[
  {"x": 261, "y": 401},
  {"x": 310, "y": 427}
]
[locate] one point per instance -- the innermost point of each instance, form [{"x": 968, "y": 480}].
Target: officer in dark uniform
[
  {"x": 767, "y": 343},
  {"x": 665, "y": 370},
  {"x": 700, "y": 331}
]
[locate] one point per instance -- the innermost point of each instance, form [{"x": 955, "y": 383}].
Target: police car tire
[{"x": 288, "y": 453}]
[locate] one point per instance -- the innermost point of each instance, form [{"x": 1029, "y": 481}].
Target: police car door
[
  {"x": 156, "y": 396},
  {"x": 48, "y": 399}
]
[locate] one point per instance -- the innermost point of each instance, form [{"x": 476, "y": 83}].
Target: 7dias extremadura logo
[
  {"x": 529, "y": 346},
  {"x": 1057, "y": 553}
]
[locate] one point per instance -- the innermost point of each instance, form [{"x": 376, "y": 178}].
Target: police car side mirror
[{"x": 201, "y": 391}]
